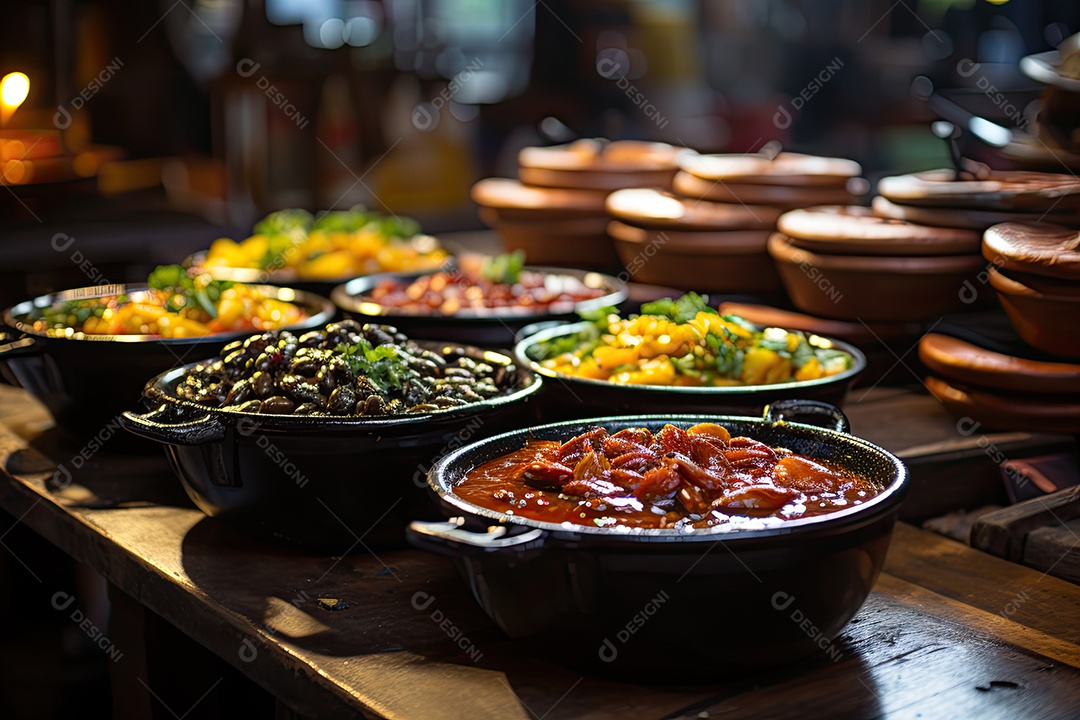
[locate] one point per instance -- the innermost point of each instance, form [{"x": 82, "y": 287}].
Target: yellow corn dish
[
  {"x": 685, "y": 343},
  {"x": 337, "y": 245}
]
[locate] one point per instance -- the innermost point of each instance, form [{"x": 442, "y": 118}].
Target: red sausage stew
[{"x": 698, "y": 477}]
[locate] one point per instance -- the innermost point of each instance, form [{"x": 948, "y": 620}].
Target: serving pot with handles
[{"x": 695, "y": 604}]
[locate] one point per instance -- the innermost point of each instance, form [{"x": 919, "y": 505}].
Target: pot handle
[
  {"x": 14, "y": 344},
  {"x": 163, "y": 426},
  {"x": 826, "y": 415},
  {"x": 450, "y": 538}
]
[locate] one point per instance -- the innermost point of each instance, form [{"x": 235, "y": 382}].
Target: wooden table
[{"x": 948, "y": 631}]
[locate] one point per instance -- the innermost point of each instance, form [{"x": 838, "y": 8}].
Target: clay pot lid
[
  {"x": 601, "y": 156},
  {"x": 1033, "y": 286},
  {"x": 1003, "y": 190},
  {"x": 715, "y": 242},
  {"x": 857, "y": 333},
  {"x": 652, "y": 208},
  {"x": 783, "y": 249},
  {"x": 1035, "y": 248},
  {"x": 507, "y": 193},
  {"x": 964, "y": 362},
  {"x": 853, "y": 230},
  {"x": 783, "y": 196},
  {"x": 961, "y": 218},
  {"x": 784, "y": 169},
  {"x": 1006, "y": 411}
]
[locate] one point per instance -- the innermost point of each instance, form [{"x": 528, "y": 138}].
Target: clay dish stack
[
  {"x": 663, "y": 239},
  {"x": 846, "y": 263},
  {"x": 712, "y": 235},
  {"x": 1035, "y": 269},
  {"x": 555, "y": 211}
]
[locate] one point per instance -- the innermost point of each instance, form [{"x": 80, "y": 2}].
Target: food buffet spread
[{"x": 662, "y": 359}]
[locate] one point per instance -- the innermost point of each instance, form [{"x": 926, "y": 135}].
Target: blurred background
[{"x": 150, "y": 128}]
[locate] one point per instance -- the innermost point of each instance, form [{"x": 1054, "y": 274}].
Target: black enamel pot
[
  {"x": 86, "y": 381},
  {"x": 496, "y": 327},
  {"x": 669, "y": 604},
  {"x": 568, "y": 397},
  {"x": 325, "y": 483}
]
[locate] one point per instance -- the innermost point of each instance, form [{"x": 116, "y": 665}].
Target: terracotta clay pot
[
  {"x": 1045, "y": 313},
  {"x": 716, "y": 261},
  {"x": 596, "y": 165},
  {"x": 870, "y": 288}
]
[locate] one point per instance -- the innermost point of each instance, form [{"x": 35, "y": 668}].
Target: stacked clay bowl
[
  {"x": 555, "y": 211},
  {"x": 712, "y": 234},
  {"x": 686, "y": 244},
  {"x": 1035, "y": 269},
  {"x": 988, "y": 390},
  {"x": 846, "y": 263},
  {"x": 938, "y": 197}
]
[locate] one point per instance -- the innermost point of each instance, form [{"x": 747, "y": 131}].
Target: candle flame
[{"x": 13, "y": 91}]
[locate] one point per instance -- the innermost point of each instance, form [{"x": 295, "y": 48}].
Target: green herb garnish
[
  {"x": 383, "y": 365},
  {"x": 504, "y": 268},
  {"x": 182, "y": 290}
]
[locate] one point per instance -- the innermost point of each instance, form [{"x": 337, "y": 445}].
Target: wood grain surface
[{"x": 948, "y": 632}]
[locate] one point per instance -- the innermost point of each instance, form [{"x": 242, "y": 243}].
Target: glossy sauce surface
[{"x": 677, "y": 478}]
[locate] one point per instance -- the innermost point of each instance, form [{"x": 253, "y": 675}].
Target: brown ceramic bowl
[
  {"x": 553, "y": 227},
  {"x": 959, "y": 361},
  {"x": 598, "y": 165},
  {"x": 717, "y": 261},
  {"x": 1001, "y": 410},
  {"x": 871, "y": 288},
  {"x": 1045, "y": 313},
  {"x": 1001, "y": 190},
  {"x": 854, "y": 230},
  {"x": 692, "y": 186},
  {"x": 789, "y": 169},
  {"x": 660, "y": 210},
  {"x": 970, "y": 219},
  {"x": 1036, "y": 248}
]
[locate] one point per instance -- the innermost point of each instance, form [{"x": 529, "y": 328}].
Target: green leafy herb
[
  {"x": 345, "y": 220},
  {"x": 383, "y": 365},
  {"x": 293, "y": 223},
  {"x": 682, "y": 310},
  {"x": 183, "y": 291},
  {"x": 504, "y": 268}
]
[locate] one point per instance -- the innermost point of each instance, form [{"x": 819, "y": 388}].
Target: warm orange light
[{"x": 13, "y": 91}]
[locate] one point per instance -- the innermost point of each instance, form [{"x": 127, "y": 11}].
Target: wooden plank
[
  {"x": 983, "y": 581},
  {"x": 1004, "y": 532},
  {"x": 1055, "y": 550}
]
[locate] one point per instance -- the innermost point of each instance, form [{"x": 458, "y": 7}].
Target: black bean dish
[{"x": 344, "y": 369}]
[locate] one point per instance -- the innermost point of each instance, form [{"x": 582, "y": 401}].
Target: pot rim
[
  {"x": 880, "y": 504},
  {"x": 346, "y": 297},
  {"x": 324, "y": 312},
  {"x": 784, "y": 251},
  {"x": 520, "y": 349},
  {"x": 160, "y": 389},
  {"x": 1007, "y": 285}
]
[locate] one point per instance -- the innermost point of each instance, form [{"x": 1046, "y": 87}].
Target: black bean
[
  {"x": 374, "y": 405},
  {"x": 342, "y": 401},
  {"x": 277, "y": 405},
  {"x": 326, "y": 382},
  {"x": 448, "y": 402},
  {"x": 263, "y": 384},
  {"x": 312, "y": 339},
  {"x": 241, "y": 392},
  {"x": 251, "y": 406},
  {"x": 308, "y": 409},
  {"x": 305, "y": 366},
  {"x": 232, "y": 347},
  {"x": 451, "y": 372},
  {"x": 300, "y": 390},
  {"x": 377, "y": 336}
]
